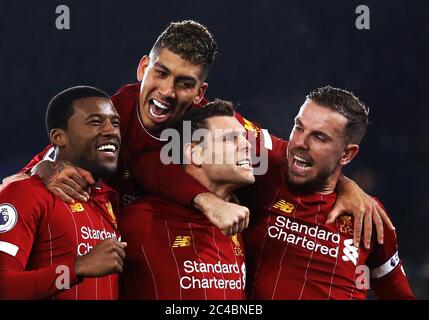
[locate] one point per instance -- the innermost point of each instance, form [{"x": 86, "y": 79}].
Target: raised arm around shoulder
[
  {"x": 172, "y": 182},
  {"x": 169, "y": 181},
  {"x": 229, "y": 217},
  {"x": 366, "y": 211},
  {"x": 65, "y": 180}
]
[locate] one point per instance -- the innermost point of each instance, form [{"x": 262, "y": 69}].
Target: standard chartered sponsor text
[
  {"x": 192, "y": 281},
  {"x": 88, "y": 233},
  {"x": 285, "y": 229}
]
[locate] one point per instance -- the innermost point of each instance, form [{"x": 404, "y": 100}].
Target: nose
[
  {"x": 244, "y": 144},
  {"x": 300, "y": 141},
  {"x": 109, "y": 129},
  {"x": 167, "y": 88}
]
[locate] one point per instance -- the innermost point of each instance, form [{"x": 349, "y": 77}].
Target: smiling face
[
  {"x": 317, "y": 148},
  {"x": 226, "y": 159},
  {"x": 92, "y": 138},
  {"x": 169, "y": 84}
]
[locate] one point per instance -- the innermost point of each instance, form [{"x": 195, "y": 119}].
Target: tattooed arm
[{"x": 65, "y": 180}]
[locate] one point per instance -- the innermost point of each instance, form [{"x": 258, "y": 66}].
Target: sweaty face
[
  {"x": 92, "y": 138},
  {"x": 227, "y": 153},
  {"x": 168, "y": 88},
  {"x": 316, "y": 145}
]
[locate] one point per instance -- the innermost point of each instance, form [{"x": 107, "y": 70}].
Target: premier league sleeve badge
[{"x": 8, "y": 217}]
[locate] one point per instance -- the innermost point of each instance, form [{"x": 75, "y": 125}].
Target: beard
[
  {"x": 98, "y": 170},
  {"x": 311, "y": 185}
]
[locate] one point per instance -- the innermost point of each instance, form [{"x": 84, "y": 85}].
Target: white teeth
[
  {"x": 107, "y": 147},
  {"x": 243, "y": 163},
  {"x": 299, "y": 159},
  {"x": 302, "y": 163},
  {"x": 160, "y": 105}
]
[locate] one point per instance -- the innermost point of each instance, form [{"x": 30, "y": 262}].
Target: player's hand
[
  {"x": 366, "y": 211},
  {"x": 105, "y": 258},
  {"x": 65, "y": 180},
  {"x": 229, "y": 217},
  {"x": 13, "y": 178}
]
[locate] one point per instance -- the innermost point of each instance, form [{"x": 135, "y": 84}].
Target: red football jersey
[
  {"x": 292, "y": 254},
  {"x": 41, "y": 235},
  {"x": 175, "y": 253}
]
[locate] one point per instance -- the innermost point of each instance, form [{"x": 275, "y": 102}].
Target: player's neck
[
  {"x": 330, "y": 183},
  {"x": 223, "y": 191}
]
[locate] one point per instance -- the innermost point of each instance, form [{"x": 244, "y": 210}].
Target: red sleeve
[
  {"x": 18, "y": 226},
  {"x": 37, "y": 158},
  {"x": 388, "y": 279},
  {"x": 17, "y": 283},
  {"x": 168, "y": 181},
  {"x": 393, "y": 286}
]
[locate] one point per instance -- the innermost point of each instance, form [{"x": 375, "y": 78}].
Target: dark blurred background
[{"x": 271, "y": 53}]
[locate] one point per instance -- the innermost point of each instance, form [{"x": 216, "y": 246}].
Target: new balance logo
[
  {"x": 350, "y": 251},
  {"x": 284, "y": 206},
  {"x": 182, "y": 241}
]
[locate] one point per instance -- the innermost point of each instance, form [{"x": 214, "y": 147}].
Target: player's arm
[
  {"x": 63, "y": 179},
  {"x": 19, "y": 229},
  {"x": 366, "y": 211},
  {"x": 17, "y": 283},
  {"x": 43, "y": 283},
  {"x": 393, "y": 286},
  {"x": 388, "y": 279},
  {"x": 172, "y": 182},
  {"x": 16, "y": 242}
]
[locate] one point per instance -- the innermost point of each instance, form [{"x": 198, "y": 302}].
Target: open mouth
[
  {"x": 108, "y": 148},
  {"x": 158, "y": 110},
  {"x": 244, "y": 164},
  {"x": 302, "y": 163}
]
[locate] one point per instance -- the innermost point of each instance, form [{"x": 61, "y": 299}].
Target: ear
[
  {"x": 144, "y": 62},
  {"x": 201, "y": 91},
  {"x": 349, "y": 153},
  {"x": 58, "y": 137}
]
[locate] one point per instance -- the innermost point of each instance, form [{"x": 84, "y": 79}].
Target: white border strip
[
  {"x": 268, "y": 143},
  {"x": 8, "y": 248},
  {"x": 386, "y": 267}
]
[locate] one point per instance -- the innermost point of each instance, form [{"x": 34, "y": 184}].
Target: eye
[
  {"x": 95, "y": 122},
  {"x": 320, "y": 137},
  {"x": 298, "y": 127},
  {"x": 185, "y": 84},
  {"x": 161, "y": 73},
  {"x": 116, "y": 123}
]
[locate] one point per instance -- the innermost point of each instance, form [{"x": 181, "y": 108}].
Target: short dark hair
[
  {"x": 198, "y": 119},
  {"x": 199, "y": 116},
  {"x": 191, "y": 41},
  {"x": 346, "y": 104},
  {"x": 60, "y": 108}
]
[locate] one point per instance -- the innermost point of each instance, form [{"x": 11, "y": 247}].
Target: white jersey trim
[
  {"x": 49, "y": 155},
  {"x": 268, "y": 143},
  {"x": 386, "y": 267},
  {"x": 9, "y": 248}
]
